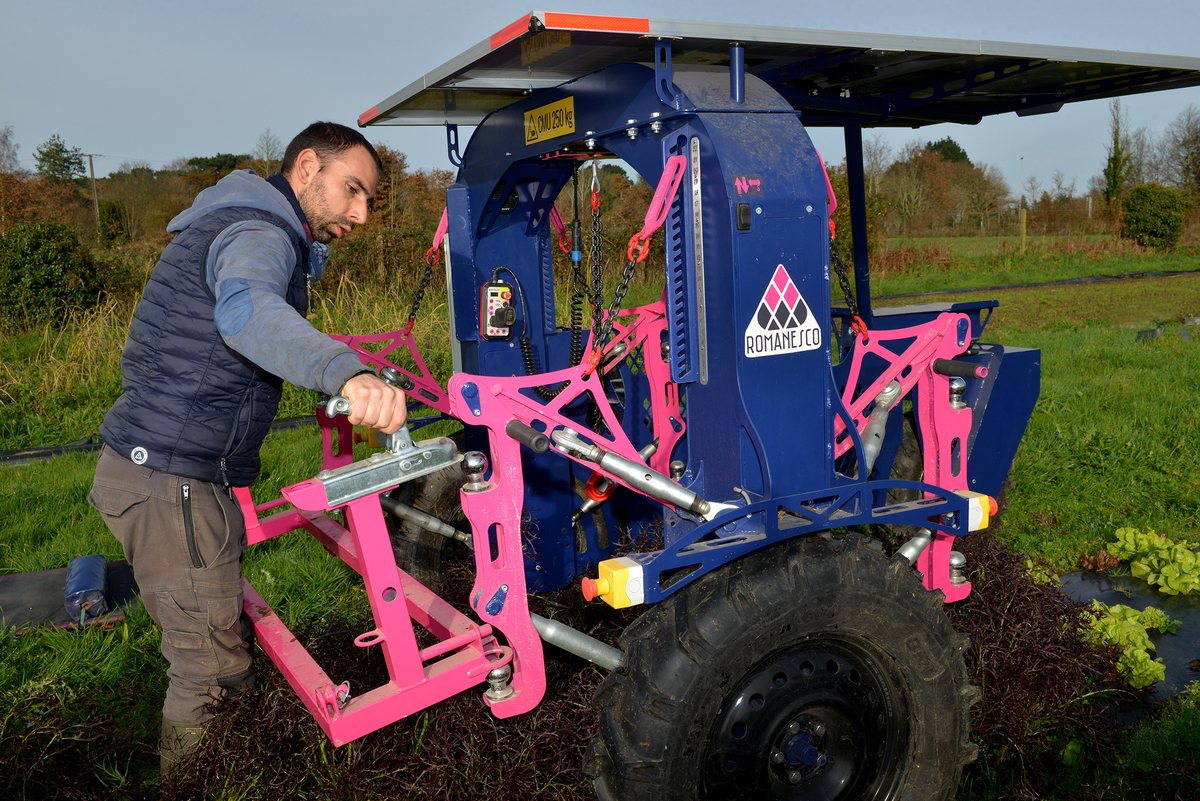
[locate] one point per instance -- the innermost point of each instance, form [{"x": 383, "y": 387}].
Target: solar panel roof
[{"x": 831, "y": 78}]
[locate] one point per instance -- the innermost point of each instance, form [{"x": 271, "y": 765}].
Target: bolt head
[{"x": 793, "y": 728}]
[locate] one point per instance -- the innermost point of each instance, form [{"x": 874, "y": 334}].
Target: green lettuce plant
[
  {"x": 1127, "y": 628},
  {"x": 1159, "y": 560}
]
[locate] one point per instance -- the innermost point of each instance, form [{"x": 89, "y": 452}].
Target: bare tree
[
  {"x": 135, "y": 188},
  {"x": 267, "y": 155},
  {"x": 1032, "y": 187},
  {"x": 1144, "y": 163},
  {"x": 877, "y": 157},
  {"x": 1180, "y": 151},
  {"x": 1062, "y": 190},
  {"x": 986, "y": 192},
  {"x": 8, "y": 151},
  {"x": 905, "y": 180},
  {"x": 179, "y": 165}
]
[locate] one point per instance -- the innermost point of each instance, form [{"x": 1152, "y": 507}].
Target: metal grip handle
[
  {"x": 535, "y": 440},
  {"x": 960, "y": 369}
]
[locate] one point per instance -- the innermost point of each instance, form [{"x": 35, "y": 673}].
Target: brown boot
[{"x": 176, "y": 741}]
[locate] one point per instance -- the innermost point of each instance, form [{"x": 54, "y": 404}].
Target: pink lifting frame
[
  {"x": 466, "y": 651},
  {"x": 944, "y": 430},
  {"x": 426, "y": 388},
  {"x": 418, "y": 677},
  {"x": 494, "y": 402}
]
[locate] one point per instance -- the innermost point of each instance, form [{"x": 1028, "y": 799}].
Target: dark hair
[{"x": 328, "y": 140}]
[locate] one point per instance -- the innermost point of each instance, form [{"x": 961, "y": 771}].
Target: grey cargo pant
[{"x": 186, "y": 540}]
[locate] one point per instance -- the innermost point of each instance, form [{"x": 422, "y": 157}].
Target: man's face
[{"x": 336, "y": 198}]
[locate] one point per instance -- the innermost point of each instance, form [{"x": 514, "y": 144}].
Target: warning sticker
[
  {"x": 549, "y": 121},
  {"x": 783, "y": 322}
]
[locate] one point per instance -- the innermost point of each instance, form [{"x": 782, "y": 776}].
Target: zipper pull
[{"x": 225, "y": 479}]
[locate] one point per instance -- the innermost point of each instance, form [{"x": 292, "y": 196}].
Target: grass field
[{"x": 1112, "y": 443}]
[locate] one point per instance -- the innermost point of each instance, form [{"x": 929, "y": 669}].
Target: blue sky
[{"x": 136, "y": 80}]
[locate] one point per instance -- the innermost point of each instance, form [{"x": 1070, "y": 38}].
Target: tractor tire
[
  {"x": 814, "y": 669},
  {"x": 423, "y": 554}
]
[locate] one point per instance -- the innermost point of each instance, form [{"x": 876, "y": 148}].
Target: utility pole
[{"x": 95, "y": 200}]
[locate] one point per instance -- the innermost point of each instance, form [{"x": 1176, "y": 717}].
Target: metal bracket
[
  {"x": 663, "y": 83},
  {"x": 452, "y": 144}
]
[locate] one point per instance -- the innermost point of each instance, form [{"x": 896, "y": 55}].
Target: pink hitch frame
[{"x": 944, "y": 430}]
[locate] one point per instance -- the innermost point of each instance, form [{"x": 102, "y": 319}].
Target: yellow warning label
[
  {"x": 544, "y": 44},
  {"x": 549, "y": 121}
]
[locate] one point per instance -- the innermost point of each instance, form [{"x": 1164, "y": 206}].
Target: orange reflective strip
[
  {"x": 369, "y": 114},
  {"x": 591, "y": 22},
  {"x": 511, "y": 32}
]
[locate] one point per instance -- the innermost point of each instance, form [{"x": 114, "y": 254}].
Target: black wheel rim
[{"x": 820, "y": 722}]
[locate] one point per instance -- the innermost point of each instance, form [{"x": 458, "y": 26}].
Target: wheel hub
[
  {"x": 804, "y": 748},
  {"x": 816, "y": 723}
]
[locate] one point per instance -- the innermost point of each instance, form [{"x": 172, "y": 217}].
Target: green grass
[
  {"x": 971, "y": 246},
  {"x": 1112, "y": 442},
  {"x": 1115, "y": 431}
]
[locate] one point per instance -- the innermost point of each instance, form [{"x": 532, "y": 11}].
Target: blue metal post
[
  {"x": 858, "y": 219},
  {"x": 737, "y": 73}
]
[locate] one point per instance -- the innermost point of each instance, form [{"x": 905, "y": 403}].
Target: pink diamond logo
[
  {"x": 771, "y": 298},
  {"x": 791, "y": 295},
  {"x": 781, "y": 278}
]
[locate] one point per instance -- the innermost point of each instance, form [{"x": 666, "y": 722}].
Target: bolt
[
  {"x": 793, "y": 728},
  {"x": 777, "y": 757},
  {"x": 655, "y": 126},
  {"x": 794, "y": 777},
  {"x": 632, "y": 129},
  {"x": 818, "y": 730}
]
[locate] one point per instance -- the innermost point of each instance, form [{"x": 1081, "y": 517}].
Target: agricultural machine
[{"x": 710, "y": 455}]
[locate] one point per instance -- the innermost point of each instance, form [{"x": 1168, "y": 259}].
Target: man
[{"x": 219, "y": 327}]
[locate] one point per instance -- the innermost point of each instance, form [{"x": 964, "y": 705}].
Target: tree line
[
  {"x": 935, "y": 188},
  {"x": 135, "y": 202},
  {"x": 926, "y": 187}
]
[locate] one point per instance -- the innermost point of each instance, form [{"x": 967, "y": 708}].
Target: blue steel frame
[{"x": 760, "y": 425}]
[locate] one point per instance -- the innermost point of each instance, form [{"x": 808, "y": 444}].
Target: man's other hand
[{"x": 375, "y": 403}]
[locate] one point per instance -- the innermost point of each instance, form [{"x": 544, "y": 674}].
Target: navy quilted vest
[{"x": 191, "y": 405}]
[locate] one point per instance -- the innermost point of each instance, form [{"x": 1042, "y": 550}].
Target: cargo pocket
[
  {"x": 112, "y": 502},
  {"x": 234, "y": 660},
  {"x": 186, "y": 643}
]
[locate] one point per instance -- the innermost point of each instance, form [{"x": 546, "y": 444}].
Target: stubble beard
[{"x": 314, "y": 205}]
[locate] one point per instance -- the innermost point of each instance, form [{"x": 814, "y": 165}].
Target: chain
[
  {"x": 836, "y": 258},
  {"x": 856, "y": 323},
  {"x": 606, "y": 330},
  {"x": 431, "y": 258}
]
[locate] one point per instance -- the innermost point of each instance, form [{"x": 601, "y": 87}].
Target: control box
[{"x": 496, "y": 312}]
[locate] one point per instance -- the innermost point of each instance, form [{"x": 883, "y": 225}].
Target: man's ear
[{"x": 306, "y": 167}]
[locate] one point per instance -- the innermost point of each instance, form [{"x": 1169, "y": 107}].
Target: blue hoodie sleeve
[{"x": 248, "y": 270}]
